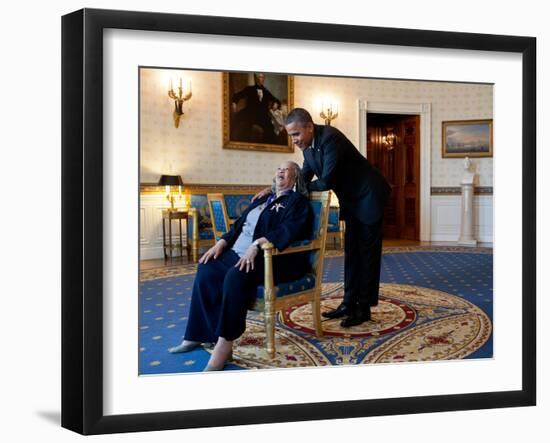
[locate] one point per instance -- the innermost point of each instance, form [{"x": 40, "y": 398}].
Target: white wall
[
  {"x": 194, "y": 150},
  {"x": 30, "y": 329},
  {"x": 449, "y": 101}
]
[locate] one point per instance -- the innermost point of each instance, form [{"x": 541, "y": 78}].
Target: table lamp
[{"x": 170, "y": 182}]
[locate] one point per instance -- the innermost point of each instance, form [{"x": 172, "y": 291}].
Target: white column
[{"x": 467, "y": 220}]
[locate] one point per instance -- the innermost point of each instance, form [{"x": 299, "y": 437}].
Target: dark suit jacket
[
  {"x": 361, "y": 188},
  {"x": 281, "y": 227}
]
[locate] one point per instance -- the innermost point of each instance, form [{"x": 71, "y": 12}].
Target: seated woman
[{"x": 229, "y": 272}]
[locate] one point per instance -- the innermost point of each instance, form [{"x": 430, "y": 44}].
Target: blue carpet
[{"x": 164, "y": 302}]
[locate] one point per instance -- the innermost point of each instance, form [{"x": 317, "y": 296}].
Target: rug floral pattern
[{"x": 410, "y": 323}]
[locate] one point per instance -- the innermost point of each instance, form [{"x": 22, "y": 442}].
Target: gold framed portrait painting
[{"x": 255, "y": 105}]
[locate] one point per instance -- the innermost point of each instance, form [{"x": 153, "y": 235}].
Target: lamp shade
[{"x": 170, "y": 180}]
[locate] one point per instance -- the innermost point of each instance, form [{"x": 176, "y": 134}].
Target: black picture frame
[{"x": 82, "y": 219}]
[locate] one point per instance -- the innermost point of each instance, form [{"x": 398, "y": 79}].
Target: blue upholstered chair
[
  {"x": 272, "y": 298},
  {"x": 199, "y": 225},
  {"x": 336, "y": 227},
  {"x": 218, "y": 211}
]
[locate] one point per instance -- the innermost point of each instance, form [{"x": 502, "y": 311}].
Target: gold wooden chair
[{"x": 271, "y": 298}]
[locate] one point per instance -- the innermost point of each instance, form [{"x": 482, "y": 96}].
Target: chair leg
[
  {"x": 316, "y": 314},
  {"x": 195, "y": 250},
  {"x": 269, "y": 307},
  {"x": 270, "y": 333}
]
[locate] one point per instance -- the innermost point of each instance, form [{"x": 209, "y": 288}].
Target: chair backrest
[
  {"x": 200, "y": 203},
  {"x": 218, "y": 212},
  {"x": 334, "y": 219},
  {"x": 237, "y": 203},
  {"x": 320, "y": 204}
]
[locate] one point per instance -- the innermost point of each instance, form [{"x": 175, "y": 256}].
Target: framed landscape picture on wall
[{"x": 467, "y": 138}]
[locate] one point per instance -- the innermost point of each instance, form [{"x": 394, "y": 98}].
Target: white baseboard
[{"x": 454, "y": 238}]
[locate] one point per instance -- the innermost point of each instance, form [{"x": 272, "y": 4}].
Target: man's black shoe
[
  {"x": 356, "y": 317},
  {"x": 340, "y": 311}
]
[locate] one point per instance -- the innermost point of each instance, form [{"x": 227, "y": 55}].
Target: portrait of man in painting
[{"x": 255, "y": 107}]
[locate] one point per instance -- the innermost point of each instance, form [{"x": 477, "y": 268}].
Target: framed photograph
[
  {"x": 467, "y": 138},
  {"x": 254, "y": 108},
  {"x": 123, "y": 154},
  {"x": 169, "y": 277}
]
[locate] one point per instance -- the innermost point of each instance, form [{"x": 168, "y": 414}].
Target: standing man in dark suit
[{"x": 362, "y": 192}]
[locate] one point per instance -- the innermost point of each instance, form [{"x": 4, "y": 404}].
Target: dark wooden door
[{"x": 399, "y": 161}]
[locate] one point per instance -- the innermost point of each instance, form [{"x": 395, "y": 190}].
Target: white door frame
[{"x": 425, "y": 112}]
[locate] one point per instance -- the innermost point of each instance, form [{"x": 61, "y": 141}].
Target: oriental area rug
[{"x": 436, "y": 303}]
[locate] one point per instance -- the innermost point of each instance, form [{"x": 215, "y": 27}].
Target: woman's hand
[
  {"x": 262, "y": 193},
  {"x": 214, "y": 252},
  {"x": 246, "y": 262}
]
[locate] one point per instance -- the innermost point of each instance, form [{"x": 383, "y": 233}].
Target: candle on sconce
[
  {"x": 329, "y": 110},
  {"x": 181, "y": 95}
]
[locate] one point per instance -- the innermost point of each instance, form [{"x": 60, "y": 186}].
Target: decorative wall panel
[{"x": 446, "y": 218}]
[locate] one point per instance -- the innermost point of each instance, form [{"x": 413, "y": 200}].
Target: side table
[{"x": 169, "y": 246}]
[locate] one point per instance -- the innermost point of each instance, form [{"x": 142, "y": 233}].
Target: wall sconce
[
  {"x": 389, "y": 139},
  {"x": 328, "y": 112},
  {"x": 179, "y": 98},
  {"x": 170, "y": 182}
]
